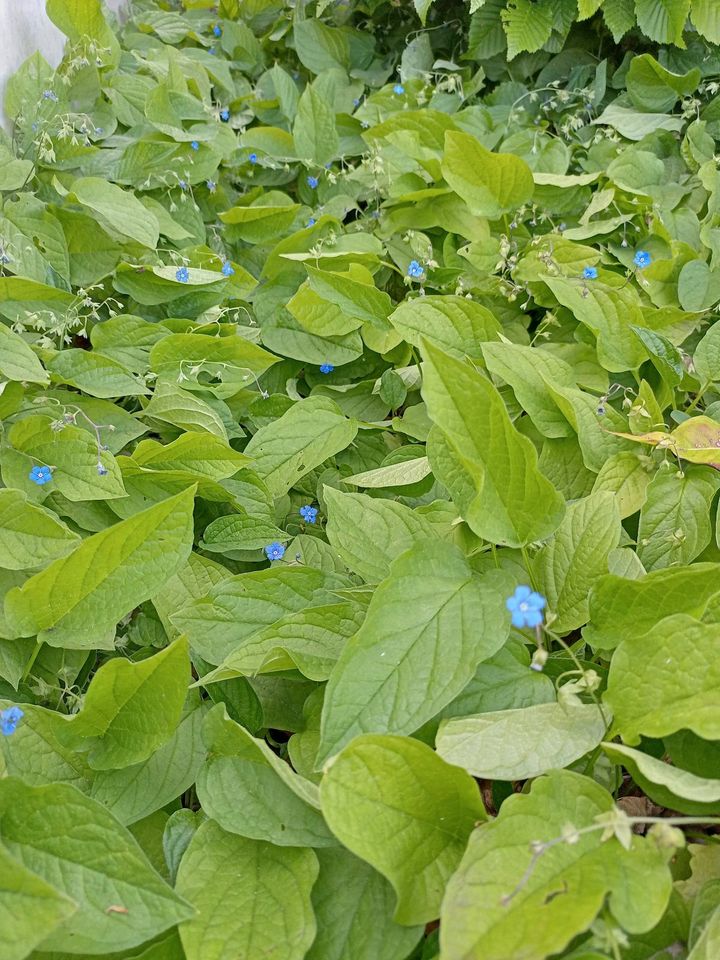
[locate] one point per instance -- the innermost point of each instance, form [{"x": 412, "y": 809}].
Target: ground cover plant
[{"x": 359, "y": 549}]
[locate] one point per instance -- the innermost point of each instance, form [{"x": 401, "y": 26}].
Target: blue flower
[
  {"x": 642, "y": 259},
  {"x": 183, "y": 184},
  {"x": 40, "y": 475},
  {"x": 253, "y": 158},
  {"x": 590, "y": 273},
  {"x": 312, "y": 182},
  {"x": 227, "y": 269},
  {"x": 212, "y": 51},
  {"x": 102, "y": 471},
  {"x": 50, "y": 95},
  {"x": 356, "y": 101},
  {"x": 195, "y": 145},
  {"x": 311, "y": 222},
  {"x": 9, "y": 720},
  {"x": 309, "y": 514},
  {"x": 275, "y": 551},
  {"x": 415, "y": 270},
  {"x": 399, "y": 89},
  {"x": 182, "y": 274},
  {"x": 217, "y": 30},
  {"x": 526, "y": 607},
  {"x": 326, "y": 368},
  {"x": 210, "y": 184},
  {"x": 224, "y": 114}
]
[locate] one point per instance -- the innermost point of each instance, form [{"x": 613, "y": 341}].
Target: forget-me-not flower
[
  {"x": 326, "y": 368},
  {"x": 399, "y": 89},
  {"x": 415, "y": 270},
  {"x": 217, "y": 30},
  {"x": 590, "y": 273},
  {"x": 274, "y": 551},
  {"x": 227, "y": 269},
  {"x": 311, "y": 222},
  {"x": 309, "y": 513},
  {"x": 224, "y": 114},
  {"x": 182, "y": 274},
  {"x": 312, "y": 182},
  {"x": 253, "y": 158},
  {"x": 40, "y": 475},
  {"x": 642, "y": 259},
  {"x": 9, "y": 720},
  {"x": 526, "y": 607},
  {"x": 210, "y": 184},
  {"x": 195, "y": 145}
]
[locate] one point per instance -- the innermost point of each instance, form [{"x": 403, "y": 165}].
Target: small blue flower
[
  {"x": 399, "y": 89},
  {"x": 275, "y": 551},
  {"x": 642, "y": 259},
  {"x": 356, "y": 101},
  {"x": 227, "y": 269},
  {"x": 590, "y": 273},
  {"x": 40, "y": 475},
  {"x": 50, "y": 95},
  {"x": 253, "y": 158},
  {"x": 102, "y": 471},
  {"x": 194, "y": 144},
  {"x": 212, "y": 51},
  {"x": 210, "y": 184},
  {"x": 182, "y": 274},
  {"x": 224, "y": 114},
  {"x": 217, "y": 30},
  {"x": 415, "y": 270},
  {"x": 183, "y": 184},
  {"x": 9, "y": 720},
  {"x": 311, "y": 222},
  {"x": 312, "y": 182},
  {"x": 526, "y": 607},
  {"x": 309, "y": 514},
  {"x": 326, "y": 368}
]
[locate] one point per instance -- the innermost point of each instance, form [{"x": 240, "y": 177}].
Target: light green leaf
[
  {"x": 490, "y": 183},
  {"x": 626, "y": 476},
  {"x": 698, "y": 286},
  {"x": 314, "y": 130},
  {"x": 428, "y": 626},
  {"x": 95, "y": 374},
  {"x": 402, "y": 473},
  {"x": 309, "y": 433},
  {"x": 17, "y": 361},
  {"x": 456, "y": 325},
  {"x": 118, "y": 211},
  {"x": 29, "y": 535},
  {"x": 30, "y": 909},
  {"x": 78, "y": 847},
  {"x": 370, "y": 533},
  {"x": 651, "y": 87},
  {"x": 175, "y": 354},
  {"x": 171, "y": 404},
  {"x": 131, "y": 709},
  {"x": 78, "y": 599},
  {"x": 252, "y": 899},
  {"x": 36, "y": 753},
  {"x": 663, "y": 20},
  {"x": 357, "y": 299},
  {"x": 624, "y": 609},
  {"x": 668, "y": 682},
  {"x": 667, "y": 785},
  {"x": 354, "y": 906},
  {"x": 538, "y": 904},
  {"x": 394, "y": 802},
  {"x": 705, "y": 16},
  {"x": 513, "y": 502},
  {"x": 527, "y": 25},
  {"x": 200, "y": 453},
  {"x": 577, "y": 554},
  {"x": 250, "y": 791},
  {"x": 520, "y": 744}
]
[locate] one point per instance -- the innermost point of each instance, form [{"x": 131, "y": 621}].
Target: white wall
[{"x": 26, "y": 28}]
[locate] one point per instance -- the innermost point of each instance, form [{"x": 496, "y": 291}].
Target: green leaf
[
  {"x": 358, "y": 299},
  {"x": 428, "y": 626},
  {"x": 626, "y": 476},
  {"x": 520, "y": 744},
  {"x": 309, "y": 433},
  {"x": 250, "y": 791},
  {"x": 394, "y": 802},
  {"x": 117, "y": 211},
  {"x": 77, "y": 601},
  {"x": 95, "y": 374},
  {"x": 492, "y": 184},
  {"x": 200, "y": 453},
  {"x": 37, "y": 754},
  {"x": 680, "y": 674},
  {"x": 29, "y": 535},
  {"x": 173, "y": 355},
  {"x": 624, "y": 609},
  {"x": 402, "y": 473},
  {"x": 369, "y": 533},
  {"x": 171, "y": 404},
  {"x": 30, "y": 909},
  {"x": 251, "y": 898},
  {"x": 663, "y": 20},
  {"x": 353, "y": 906},
  {"x": 651, "y": 87},
  {"x": 698, "y": 286},
  {"x": 570, "y": 563},
  {"x": 667, "y": 785},
  {"x": 314, "y": 131},
  {"x": 17, "y": 361},
  {"x": 80, "y": 849},
  {"x": 131, "y": 709},
  {"x": 527, "y": 25},
  {"x": 538, "y": 903},
  {"x": 460, "y": 327},
  {"x": 513, "y": 502},
  {"x": 705, "y": 16}
]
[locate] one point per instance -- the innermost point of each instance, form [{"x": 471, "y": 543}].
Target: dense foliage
[{"x": 360, "y": 400}]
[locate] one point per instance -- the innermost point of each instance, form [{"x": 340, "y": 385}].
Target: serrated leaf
[
  {"x": 527, "y": 26},
  {"x": 663, "y": 20},
  {"x": 393, "y": 802},
  {"x": 250, "y": 897},
  {"x": 513, "y": 503},
  {"x": 77, "y": 601},
  {"x": 415, "y": 650}
]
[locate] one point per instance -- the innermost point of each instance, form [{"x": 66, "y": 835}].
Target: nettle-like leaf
[{"x": 393, "y": 802}]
